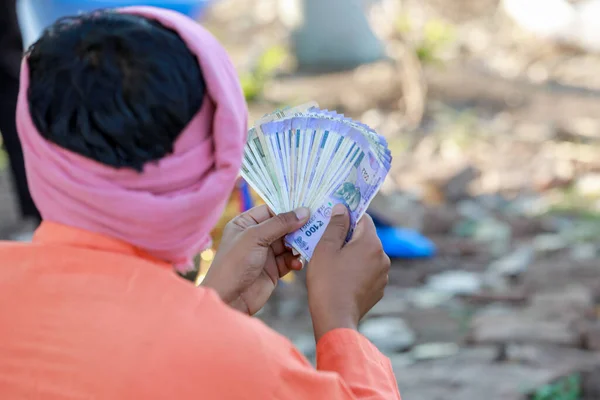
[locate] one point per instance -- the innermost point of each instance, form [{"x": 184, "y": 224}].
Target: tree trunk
[{"x": 334, "y": 35}]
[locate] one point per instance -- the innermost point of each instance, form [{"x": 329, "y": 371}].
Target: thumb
[
  {"x": 365, "y": 226},
  {"x": 337, "y": 229},
  {"x": 280, "y": 225}
]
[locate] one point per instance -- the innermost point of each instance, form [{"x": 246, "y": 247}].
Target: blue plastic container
[
  {"x": 399, "y": 242},
  {"x": 404, "y": 243},
  {"x": 36, "y": 15}
]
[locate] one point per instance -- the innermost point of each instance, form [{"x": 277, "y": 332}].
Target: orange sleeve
[
  {"x": 223, "y": 354},
  {"x": 361, "y": 366},
  {"x": 349, "y": 367}
]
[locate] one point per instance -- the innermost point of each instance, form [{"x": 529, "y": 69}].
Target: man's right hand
[{"x": 345, "y": 281}]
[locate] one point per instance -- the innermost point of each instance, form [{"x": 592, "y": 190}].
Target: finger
[
  {"x": 296, "y": 264},
  {"x": 252, "y": 217},
  {"x": 360, "y": 226},
  {"x": 259, "y": 214},
  {"x": 287, "y": 262},
  {"x": 364, "y": 228},
  {"x": 337, "y": 229},
  {"x": 279, "y": 247},
  {"x": 280, "y": 225},
  {"x": 387, "y": 263}
]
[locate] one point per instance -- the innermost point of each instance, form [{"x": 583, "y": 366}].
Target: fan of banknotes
[{"x": 309, "y": 157}]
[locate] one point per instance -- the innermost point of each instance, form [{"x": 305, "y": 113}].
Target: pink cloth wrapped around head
[{"x": 168, "y": 210}]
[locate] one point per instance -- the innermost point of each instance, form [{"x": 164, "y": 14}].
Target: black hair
[{"x": 113, "y": 87}]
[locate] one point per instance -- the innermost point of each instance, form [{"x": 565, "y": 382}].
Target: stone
[
  {"x": 523, "y": 227},
  {"x": 496, "y": 283},
  {"x": 500, "y": 273},
  {"x": 494, "y": 202},
  {"x": 502, "y": 122},
  {"x": 459, "y": 246},
  {"x": 556, "y": 223},
  {"x": 590, "y": 335},
  {"x": 513, "y": 264},
  {"x": 457, "y": 187},
  {"x": 428, "y": 298},
  {"x": 580, "y": 129},
  {"x": 521, "y": 327},
  {"x": 401, "y": 360},
  {"x": 528, "y": 205},
  {"x": 550, "y": 243},
  {"x": 433, "y": 351},
  {"x": 551, "y": 318},
  {"x": 388, "y": 334},
  {"x": 455, "y": 282},
  {"x": 584, "y": 252},
  {"x": 588, "y": 185},
  {"x": 465, "y": 228},
  {"x": 473, "y": 374},
  {"x": 590, "y": 383},
  {"x": 393, "y": 302},
  {"x": 583, "y": 231},
  {"x": 535, "y": 132},
  {"x": 495, "y": 234},
  {"x": 471, "y": 209},
  {"x": 571, "y": 301},
  {"x": 397, "y": 209},
  {"x": 439, "y": 220}
]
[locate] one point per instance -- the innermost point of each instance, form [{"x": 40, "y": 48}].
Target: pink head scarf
[{"x": 168, "y": 210}]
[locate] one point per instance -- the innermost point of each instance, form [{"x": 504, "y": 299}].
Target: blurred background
[{"x": 492, "y": 111}]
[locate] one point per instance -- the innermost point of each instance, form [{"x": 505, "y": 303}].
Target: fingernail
[
  {"x": 302, "y": 213},
  {"x": 338, "y": 209}
]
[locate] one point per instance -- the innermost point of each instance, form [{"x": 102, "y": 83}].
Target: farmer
[{"x": 133, "y": 125}]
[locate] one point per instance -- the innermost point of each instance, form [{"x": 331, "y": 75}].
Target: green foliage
[
  {"x": 459, "y": 129},
  {"x": 3, "y": 155},
  {"x": 435, "y": 36},
  {"x": 568, "y": 388},
  {"x": 271, "y": 60},
  {"x": 568, "y": 201},
  {"x": 463, "y": 129},
  {"x": 404, "y": 24},
  {"x": 3, "y": 160},
  {"x": 251, "y": 85},
  {"x": 399, "y": 145},
  {"x": 253, "y": 81}
]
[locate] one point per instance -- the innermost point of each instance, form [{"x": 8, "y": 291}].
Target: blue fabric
[
  {"x": 36, "y": 15},
  {"x": 54, "y": 9},
  {"x": 246, "y": 195}
]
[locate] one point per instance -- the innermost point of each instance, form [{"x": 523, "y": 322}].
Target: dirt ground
[{"x": 501, "y": 173}]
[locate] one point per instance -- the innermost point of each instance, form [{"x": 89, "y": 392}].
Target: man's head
[
  {"x": 116, "y": 88},
  {"x": 126, "y": 88}
]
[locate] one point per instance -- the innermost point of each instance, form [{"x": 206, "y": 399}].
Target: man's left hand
[{"x": 252, "y": 257}]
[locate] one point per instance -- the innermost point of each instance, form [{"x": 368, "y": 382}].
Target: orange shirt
[{"x": 84, "y": 316}]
